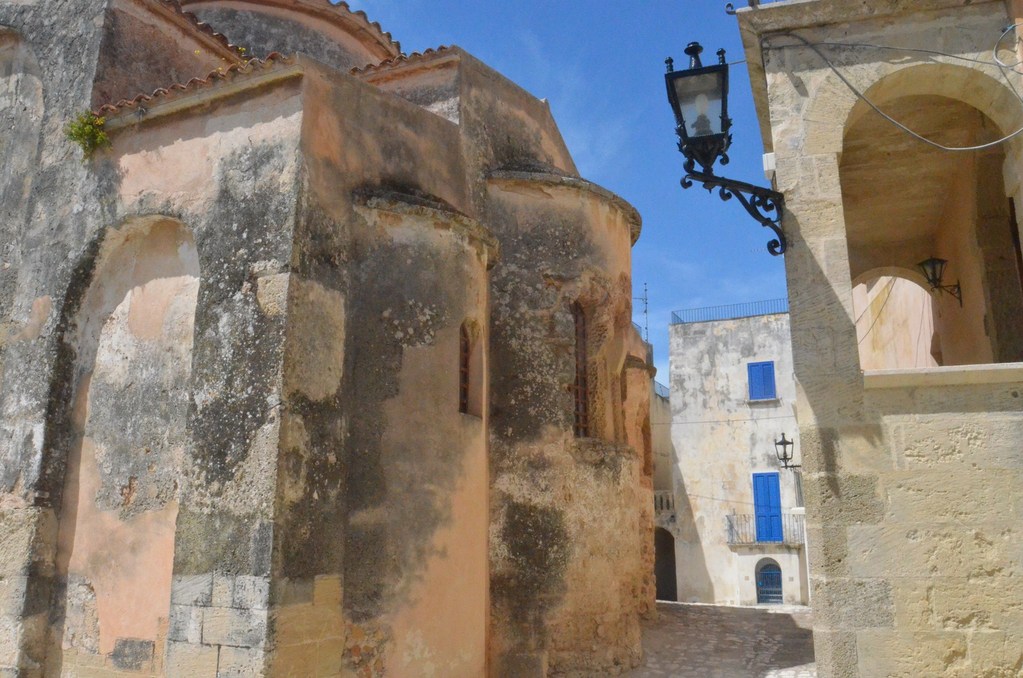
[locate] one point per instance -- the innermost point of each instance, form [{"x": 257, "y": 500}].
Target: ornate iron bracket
[{"x": 761, "y": 203}]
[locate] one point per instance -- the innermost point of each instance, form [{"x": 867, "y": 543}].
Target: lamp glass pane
[{"x": 699, "y": 98}]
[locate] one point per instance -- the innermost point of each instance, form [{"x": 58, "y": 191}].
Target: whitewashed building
[{"x": 736, "y": 514}]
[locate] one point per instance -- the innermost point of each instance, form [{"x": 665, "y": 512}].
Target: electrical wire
[
  {"x": 720, "y": 421},
  {"x": 862, "y": 97},
  {"x": 891, "y": 287}
]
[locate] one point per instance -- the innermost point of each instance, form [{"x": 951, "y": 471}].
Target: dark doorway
[
  {"x": 664, "y": 565},
  {"x": 769, "y": 583}
]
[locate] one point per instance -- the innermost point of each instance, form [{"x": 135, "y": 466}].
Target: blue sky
[{"x": 600, "y": 64}]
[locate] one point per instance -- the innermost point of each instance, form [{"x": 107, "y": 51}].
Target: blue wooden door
[{"x": 767, "y": 507}]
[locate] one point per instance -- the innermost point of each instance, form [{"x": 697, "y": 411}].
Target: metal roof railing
[
  {"x": 661, "y": 390},
  {"x": 731, "y": 312}
]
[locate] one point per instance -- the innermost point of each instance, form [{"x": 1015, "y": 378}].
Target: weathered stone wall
[
  {"x": 385, "y": 487},
  {"x": 911, "y": 477},
  {"x": 721, "y": 438},
  {"x": 40, "y": 95},
  {"x": 317, "y": 28},
  {"x": 78, "y": 212},
  {"x": 570, "y": 517},
  {"x": 141, "y": 52}
]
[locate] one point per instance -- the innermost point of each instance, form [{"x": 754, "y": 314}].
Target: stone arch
[
  {"x": 770, "y": 587},
  {"x": 905, "y": 201},
  {"x": 118, "y": 446},
  {"x": 966, "y": 83},
  {"x": 834, "y": 108}
]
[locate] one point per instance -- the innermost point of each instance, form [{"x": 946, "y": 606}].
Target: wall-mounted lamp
[
  {"x": 934, "y": 270},
  {"x": 783, "y": 448},
  {"x": 699, "y": 99}
]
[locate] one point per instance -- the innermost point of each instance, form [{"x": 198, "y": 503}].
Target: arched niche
[
  {"x": 905, "y": 201},
  {"x": 131, "y": 338}
]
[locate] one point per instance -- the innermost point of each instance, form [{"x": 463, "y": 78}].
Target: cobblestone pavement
[{"x": 711, "y": 641}]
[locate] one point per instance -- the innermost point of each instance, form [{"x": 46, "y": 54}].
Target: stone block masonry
[
  {"x": 710, "y": 641},
  {"x": 218, "y": 625}
]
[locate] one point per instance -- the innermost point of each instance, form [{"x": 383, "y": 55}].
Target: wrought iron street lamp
[
  {"x": 699, "y": 98},
  {"x": 783, "y": 448},
  {"x": 934, "y": 270}
]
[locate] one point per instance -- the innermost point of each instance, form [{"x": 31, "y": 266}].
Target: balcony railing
[
  {"x": 731, "y": 312},
  {"x": 741, "y": 530},
  {"x": 664, "y": 502}
]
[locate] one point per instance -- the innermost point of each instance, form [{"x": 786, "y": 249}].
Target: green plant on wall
[{"x": 87, "y": 131}]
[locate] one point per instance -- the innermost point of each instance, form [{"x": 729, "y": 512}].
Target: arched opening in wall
[
  {"x": 769, "y": 583},
  {"x": 470, "y": 369},
  {"x": 664, "y": 565},
  {"x": 906, "y": 201},
  {"x": 894, "y": 314},
  {"x": 128, "y": 445},
  {"x": 581, "y": 384}
]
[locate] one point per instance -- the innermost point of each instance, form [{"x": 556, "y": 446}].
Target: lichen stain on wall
[{"x": 116, "y": 537}]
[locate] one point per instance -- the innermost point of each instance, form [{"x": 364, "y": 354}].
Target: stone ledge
[{"x": 958, "y": 375}]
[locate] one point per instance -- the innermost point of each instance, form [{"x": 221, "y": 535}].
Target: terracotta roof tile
[
  {"x": 400, "y": 59},
  {"x": 221, "y": 74},
  {"x": 373, "y": 24}
]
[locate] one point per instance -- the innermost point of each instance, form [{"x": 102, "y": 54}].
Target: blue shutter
[
  {"x": 756, "y": 382},
  {"x": 768, "y": 371},
  {"x": 767, "y": 507},
  {"x": 761, "y": 381}
]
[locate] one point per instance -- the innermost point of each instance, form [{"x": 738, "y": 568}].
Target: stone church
[{"x": 316, "y": 357}]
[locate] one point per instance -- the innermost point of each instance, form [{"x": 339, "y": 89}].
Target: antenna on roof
[{"x": 646, "y": 313}]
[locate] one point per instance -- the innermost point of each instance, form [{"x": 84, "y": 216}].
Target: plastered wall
[{"x": 721, "y": 438}]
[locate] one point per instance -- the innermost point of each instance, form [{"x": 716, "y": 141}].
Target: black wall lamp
[
  {"x": 934, "y": 270},
  {"x": 699, "y": 98},
  {"x": 783, "y": 448}
]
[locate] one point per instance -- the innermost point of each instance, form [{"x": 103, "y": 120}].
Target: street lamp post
[
  {"x": 699, "y": 99},
  {"x": 783, "y": 450}
]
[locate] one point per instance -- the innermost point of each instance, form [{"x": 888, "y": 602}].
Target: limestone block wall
[
  {"x": 721, "y": 438},
  {"x": 571, "y": 520},
  {"x": 907, "y": 474}
]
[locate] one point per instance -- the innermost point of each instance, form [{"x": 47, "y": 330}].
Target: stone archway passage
[{"x": 115, "y": 547}]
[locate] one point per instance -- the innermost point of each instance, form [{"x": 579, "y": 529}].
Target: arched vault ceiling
[{"x": 895, "y": 187}]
